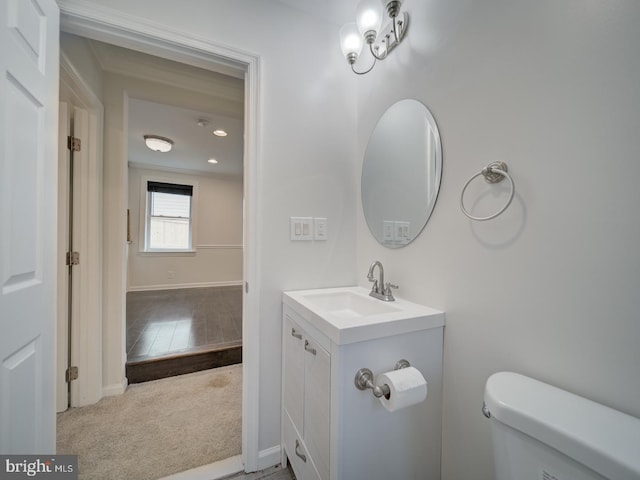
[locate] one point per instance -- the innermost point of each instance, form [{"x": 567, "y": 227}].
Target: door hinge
[
  {"x": 73, "y": 258},
  {"x": 73, "y": 144},
  {"x": 246, "y": 287},
  {"x": 71, "y": 374}
]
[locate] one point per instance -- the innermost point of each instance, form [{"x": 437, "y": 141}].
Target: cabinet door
[
  {"x": 293, "y": 368},
  {"x": 317, "y": 401},
  {"x": 297, "y": 453}
]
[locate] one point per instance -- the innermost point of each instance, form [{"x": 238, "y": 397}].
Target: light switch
[
  {"x": 320, "y": 229},
  {"x": 387, "y": 232},
  {"x": 301, "y": 228},
  {"x": 402, "y": 233}
]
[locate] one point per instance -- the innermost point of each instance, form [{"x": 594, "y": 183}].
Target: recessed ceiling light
[
  {"x": 158, "y": 144},
  {"x": 212, "y": 160},
  {"x": 220, "y": 133}
]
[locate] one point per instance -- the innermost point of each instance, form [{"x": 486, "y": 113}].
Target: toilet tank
[{"x": 541, "y": 432}]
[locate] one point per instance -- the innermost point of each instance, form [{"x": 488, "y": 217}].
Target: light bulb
[
  {"x": 369, "y": 18},
  {"x": 350, "y": 41}
]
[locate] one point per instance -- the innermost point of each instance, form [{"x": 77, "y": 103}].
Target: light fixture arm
[
  {"x": 397, "y": 25},
  {"x": 367, "y": 70},
  {"x": 374, "y": 50}
]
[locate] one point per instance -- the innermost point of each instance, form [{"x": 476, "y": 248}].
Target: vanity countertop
[{"x": 348, "y": 314}]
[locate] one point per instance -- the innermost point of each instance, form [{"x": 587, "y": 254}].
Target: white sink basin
[
  {"x": 347, "y": 304},
  {"x": 349, "y": 314}
]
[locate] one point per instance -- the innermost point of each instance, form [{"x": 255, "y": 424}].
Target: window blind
[{"x": 172, "y": 188}]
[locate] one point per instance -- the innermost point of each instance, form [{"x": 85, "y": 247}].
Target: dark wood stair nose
[{"x": 139, "y": 371}]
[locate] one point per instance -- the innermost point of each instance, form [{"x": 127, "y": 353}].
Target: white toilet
[{"x": 543, "y": 433}]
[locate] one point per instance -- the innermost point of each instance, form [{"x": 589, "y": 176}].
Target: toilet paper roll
[{"x": 407, "y": 387}]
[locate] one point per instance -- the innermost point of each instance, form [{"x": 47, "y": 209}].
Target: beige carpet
[{"x": 157, "y": 428}]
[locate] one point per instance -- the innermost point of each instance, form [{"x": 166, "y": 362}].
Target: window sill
[{"x": 167, "y": 253}]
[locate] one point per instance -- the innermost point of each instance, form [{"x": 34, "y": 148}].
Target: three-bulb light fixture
[{"x": 367, "y": 29}]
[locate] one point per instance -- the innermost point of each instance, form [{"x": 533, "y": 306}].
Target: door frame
[
  {"x": 86, "y": 331},
  {"x": 110, "y": 27}
]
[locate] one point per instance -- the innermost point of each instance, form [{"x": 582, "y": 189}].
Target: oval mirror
[{"x": 401, "y": 173}]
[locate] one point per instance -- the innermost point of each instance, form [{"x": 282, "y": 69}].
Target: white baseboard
[
  {"x": 269, "y": 457},
  {"x": 212, "y": 471},
  {"x": 114, "y": 389},
  {"x": 175, "y": 286}
]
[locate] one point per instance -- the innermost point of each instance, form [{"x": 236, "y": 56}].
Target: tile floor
[{"x": 168, "y": 322}]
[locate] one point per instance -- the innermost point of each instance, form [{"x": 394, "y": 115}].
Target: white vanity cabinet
[
  {"x": 330, "y": 429},
  {"x": 306, "y": 401}
]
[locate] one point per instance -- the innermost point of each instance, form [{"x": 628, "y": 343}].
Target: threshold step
[{"x": 154, "y": 368}]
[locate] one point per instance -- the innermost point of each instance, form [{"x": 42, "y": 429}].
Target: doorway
[
  {"x": 184, "y": 212},
  {"x": 192, "y": 52}
]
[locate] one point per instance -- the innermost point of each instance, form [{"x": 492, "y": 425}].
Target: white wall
[
  {"x": 305, "y": 161},
  {"x": 550, "y": 288},
  {"x": 79, "y": 53},
  {"x": 217, "y": 236}
]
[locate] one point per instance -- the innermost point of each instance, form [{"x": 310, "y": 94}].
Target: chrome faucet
[{"x": 380, "y": 290}]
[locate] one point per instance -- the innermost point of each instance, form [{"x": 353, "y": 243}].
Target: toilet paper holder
[{"x": 364, "y": 380}]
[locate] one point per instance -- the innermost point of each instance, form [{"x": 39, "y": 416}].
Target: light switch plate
[
  {"x": 320, "y": 229},
  {"x": 301, "y": 228}
]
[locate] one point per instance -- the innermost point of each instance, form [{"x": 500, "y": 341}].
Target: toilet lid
[{"x": 599, "y": 437}]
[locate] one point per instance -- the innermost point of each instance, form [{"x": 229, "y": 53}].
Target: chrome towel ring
[{"x": 493, "y": 173}]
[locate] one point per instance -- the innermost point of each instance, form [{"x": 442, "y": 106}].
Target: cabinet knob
[
  {"x": 302, "y": 456},
  {"x": 296, "y": 334},
  {"x": 309, "y": 348}
]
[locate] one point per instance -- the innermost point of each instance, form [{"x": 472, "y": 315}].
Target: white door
[{"x": 29, "y": 36}]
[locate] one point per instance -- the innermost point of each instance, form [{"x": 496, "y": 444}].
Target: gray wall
[{"x": 550, "y": 288}]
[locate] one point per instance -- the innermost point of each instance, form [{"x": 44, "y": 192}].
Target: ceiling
[
  {"x": 193, "y": 144},
  {"x": 176, "y": 98}
]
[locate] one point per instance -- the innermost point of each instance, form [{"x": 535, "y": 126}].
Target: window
[{"x": 169, "y": 217}]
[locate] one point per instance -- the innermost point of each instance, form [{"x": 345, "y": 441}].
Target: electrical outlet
[{"x": 170, "y": 274}]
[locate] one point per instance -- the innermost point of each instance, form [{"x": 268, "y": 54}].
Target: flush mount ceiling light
[
  {"x": 212, "y": 160},
  {"x": 220, "y": 133},
  {"x": 158, "y": 144},
  {"x": 367, "y": 30}
]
